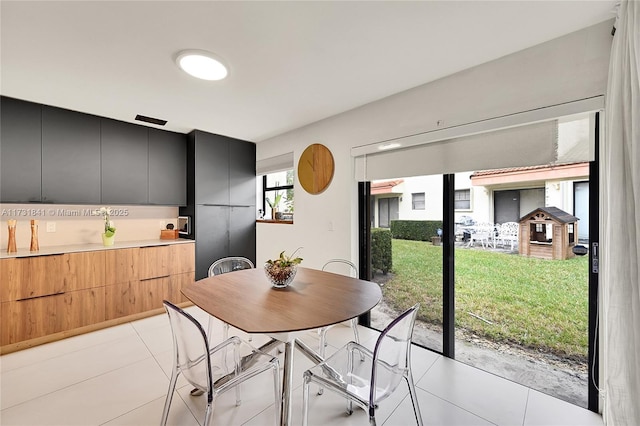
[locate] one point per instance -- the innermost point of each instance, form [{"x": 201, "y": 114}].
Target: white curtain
[{"x": 620, "y": 273}]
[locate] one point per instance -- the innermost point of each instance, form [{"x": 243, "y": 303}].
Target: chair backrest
[
  {"x": 341, "y": 266},
  {"x": 229, "y": 264},
  {"x": 509, "y": 229},
  {"x": 190, "y": 347},
  {"x": 391, "y": 356}
]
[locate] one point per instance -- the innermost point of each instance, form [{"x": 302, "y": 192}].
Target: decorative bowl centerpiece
[{"x": 281, "y": 271}]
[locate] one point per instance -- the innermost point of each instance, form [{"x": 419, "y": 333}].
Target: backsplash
[{"x": 74, "y": 224}]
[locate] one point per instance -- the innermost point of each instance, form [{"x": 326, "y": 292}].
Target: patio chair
[
  {"x": 196, "y": 361},
  {"x": 508, "y": 233},
  {"x": 482, "y": 232},
  {"x": 369, "y": 382}
]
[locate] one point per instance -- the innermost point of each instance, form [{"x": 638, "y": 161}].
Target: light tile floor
[{"x": 120, "y": 376}]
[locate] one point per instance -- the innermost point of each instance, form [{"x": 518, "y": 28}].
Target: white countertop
[{"x": 77, "y": 248}]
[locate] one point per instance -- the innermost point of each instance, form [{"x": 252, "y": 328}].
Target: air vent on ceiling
[{"x": 151, "y": 120}]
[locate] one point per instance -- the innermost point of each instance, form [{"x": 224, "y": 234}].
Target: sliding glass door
[{"x": 499, "y": 259}]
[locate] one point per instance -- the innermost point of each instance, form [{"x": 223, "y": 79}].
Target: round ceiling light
[{"x": 201, "y": 64}]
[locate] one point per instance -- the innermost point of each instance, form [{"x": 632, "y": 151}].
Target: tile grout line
[{"x": 526, "y": 406}]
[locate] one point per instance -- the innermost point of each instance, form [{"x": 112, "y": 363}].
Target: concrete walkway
[{"x": 544, "y": 372}]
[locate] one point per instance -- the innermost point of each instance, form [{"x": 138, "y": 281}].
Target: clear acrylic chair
[
  {"x": 344, "y": 267},
  {"x": 369, "y": 382},
  {"x": 196, "y": 361},
  {"x": 222, "y": 266},
  {"x": 339, "y": 266}
]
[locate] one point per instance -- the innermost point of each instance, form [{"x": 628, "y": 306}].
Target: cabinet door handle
[
  {"x": 156, "y": 278},
  {"x": 38, "y": 297}
]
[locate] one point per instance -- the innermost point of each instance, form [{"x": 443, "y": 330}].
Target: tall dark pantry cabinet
[{"x": 221, "y": 197}]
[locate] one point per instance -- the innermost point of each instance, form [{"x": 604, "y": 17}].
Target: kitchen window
[{"x": 277, "y": 190}]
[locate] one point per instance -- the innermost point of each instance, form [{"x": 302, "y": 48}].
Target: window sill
[{"x": 286, "y": 222}]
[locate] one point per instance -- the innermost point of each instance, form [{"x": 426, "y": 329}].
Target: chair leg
[
  {"x": 236, "y": 363},
  {"x": 322, "y": 350},
  {"x": 208, "y": 413},
  {"x": 414, "y": 398},
  {"x": 167, "y": 401},
  {"x": 305, "y": 402},
  {"x": 210, "y": 330},
  {"x": 354, "y": 326},
  {"x": 277, "y": 393},
  {"x": 350, "y": 377}
]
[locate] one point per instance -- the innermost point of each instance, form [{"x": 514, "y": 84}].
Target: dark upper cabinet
[
  {"x": 20, "y": 151},
  {"x": 70, "y": 157},
  {"x": 167, "y": 168},
  {"x": 54, "y": 155},
  {"x": 124, "y": 163},
  {"x": 221, "y": 197},
  {"x": 242, "y": 173},
  {"x": 211, "y": 168}
]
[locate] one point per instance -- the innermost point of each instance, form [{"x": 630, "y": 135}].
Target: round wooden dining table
[{"x": 246, "y": 300}]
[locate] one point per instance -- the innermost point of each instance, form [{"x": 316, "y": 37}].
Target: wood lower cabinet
[
  {"x": 32, "y": 318},
  {"x": 44, "y": 276},
  {"x": 38, "y": 276},
  {"x": 178, "y": 282},
  {"x": 160, "y": 273},
  {"x": 84, "y": 270},
  {"x": 182, "y": 259},
  {"x": 121, "y": 265},
  {"x": 45, "y": 295},
  {"x": 135, "y": 297},
  {"x": 154, "y": 262}
]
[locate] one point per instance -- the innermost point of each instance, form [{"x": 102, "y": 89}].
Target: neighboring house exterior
[{"x": 488, "y": 196}]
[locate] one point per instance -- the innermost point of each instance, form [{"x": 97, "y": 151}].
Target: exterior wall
[
  {"x": 481, "y": 205},
  {"x": 557, "y": 193},
  {"x": 432, "y": 188}
]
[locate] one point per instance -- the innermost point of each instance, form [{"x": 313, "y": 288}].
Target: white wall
[{"x": 570, "y": 68}]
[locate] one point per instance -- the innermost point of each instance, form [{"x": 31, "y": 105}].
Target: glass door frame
[{"x": 448, "y": 261}]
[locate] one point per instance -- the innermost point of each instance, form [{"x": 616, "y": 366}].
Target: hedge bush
[
  {"x": 417, "y": 230},
  {"x": 381, "y": 249}
]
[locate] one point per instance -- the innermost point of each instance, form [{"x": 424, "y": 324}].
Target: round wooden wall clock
[{"x": 315, "y": 168}]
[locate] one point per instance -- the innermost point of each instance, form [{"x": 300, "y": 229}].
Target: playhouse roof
[{"x": 554, "y": 212}]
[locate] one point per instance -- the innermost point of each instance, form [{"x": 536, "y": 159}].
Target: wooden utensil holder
[
  {"x": 11, "y": 245},
  {"x": 35, "y": 246}
]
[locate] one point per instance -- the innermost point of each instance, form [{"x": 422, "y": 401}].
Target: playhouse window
[
  {"x": 541, "y": 232},
  {"x": 571, "y": 233}
]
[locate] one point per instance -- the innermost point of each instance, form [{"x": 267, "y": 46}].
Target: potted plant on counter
[
  {"x": 109, "y": 230},
  {"x": 275, "y": 204}
]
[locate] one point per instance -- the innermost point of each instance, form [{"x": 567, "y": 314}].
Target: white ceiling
[{"x": 291, "y": 63}]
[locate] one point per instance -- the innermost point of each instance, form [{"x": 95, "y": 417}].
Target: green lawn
[{"x": 536, "y": 303}]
